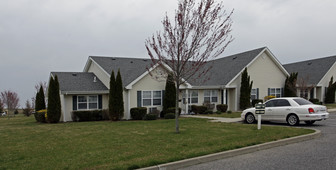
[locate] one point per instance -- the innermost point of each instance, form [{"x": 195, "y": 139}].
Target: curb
[{"x": 235, "y": 152}]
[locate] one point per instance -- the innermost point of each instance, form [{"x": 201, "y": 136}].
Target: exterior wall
[
  {"x": 101, "y": 75},
  {"x": 200, "y": 99},
  {"x": 67, "y": 106},
  {"x": 264, "y": 73},
  {"x": 147, "y": 83},
  {"x": 325, "y": 81}
]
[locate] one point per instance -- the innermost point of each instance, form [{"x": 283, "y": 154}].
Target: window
[
  {"x": 156, "y": 98},
  {"x": 254, "y": 94},
  {"x": 302, "y": 101},
  {"x": 282, "y": 102},
  {"x": 87, "y": 102},
  {"x": 275, "y": 92},
  {"x": 304, "y": 93},
  {"x": 210, "y": 96},
  {"x": 147, "y": 98},
  {"x": 278, "y": 103},
  {"x": 152, "y": 98},
  {"x": 192, "y": 96}
]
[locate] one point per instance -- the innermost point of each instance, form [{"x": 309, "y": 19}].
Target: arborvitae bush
[
  {"x": 138, "y": 113},
  {"x": 170, "y": 95},
  {"x": 245, "y": 90},
  {"x": 54, "y": 101},
  {"x": 39, "y": 100},
  {"x": 221, "y": 107},
  {"x": 40, "y": 116},
  {"x": 119, "y": 102},
  {"x": 112, "y": 96},
  {"x": 172, "y": 110}
]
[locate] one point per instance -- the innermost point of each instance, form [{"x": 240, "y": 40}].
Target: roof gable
[
  {"x": 227, "y": 68},
  {"x": 79, "y": 82},
  {"x": 313, "y": 70},
  {"x": 130, "y": 68}
]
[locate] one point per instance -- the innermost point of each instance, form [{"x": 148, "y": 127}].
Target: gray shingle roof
[
  {"x": 130, "y": 68},
  {"x": 313, "y": 69},
  {"x": 79, "y": 82},
  {"x": 225, "y": 69}
]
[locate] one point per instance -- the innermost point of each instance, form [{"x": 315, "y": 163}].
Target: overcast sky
[{"x": 40, "y": 36}]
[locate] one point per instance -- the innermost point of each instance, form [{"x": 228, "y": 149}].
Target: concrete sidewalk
[{"x": 215, "y": 119}]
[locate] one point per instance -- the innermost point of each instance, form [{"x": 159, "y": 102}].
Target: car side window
[
  {"x": 282, "y": 102},
  {"x": 271, "y": 103}
]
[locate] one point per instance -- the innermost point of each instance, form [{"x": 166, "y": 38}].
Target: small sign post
[{"x": 260, "y": 109}]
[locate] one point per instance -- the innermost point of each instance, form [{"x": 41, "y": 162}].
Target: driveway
[{"x": 314, "y": 154}]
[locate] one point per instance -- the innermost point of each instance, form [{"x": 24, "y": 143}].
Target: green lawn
[
  {"x": 331, "y": 106},
  {"x": 26, "y": 144},
  {"x": 226, "y": 115}
]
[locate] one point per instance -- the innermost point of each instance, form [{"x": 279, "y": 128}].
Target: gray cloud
[{"x": 40, "y": 36}]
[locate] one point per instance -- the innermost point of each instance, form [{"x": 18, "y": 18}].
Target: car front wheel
[
  {"x": 292, "y": 120},
  {"x": 249, "y": 118}
]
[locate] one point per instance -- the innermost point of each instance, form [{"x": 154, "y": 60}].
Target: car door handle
[
  {"x": 269, "y": 110},
  {"x": 288, "y": 109}
]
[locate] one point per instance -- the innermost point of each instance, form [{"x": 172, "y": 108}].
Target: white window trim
[
  {"x": 275, "y": 92},
  {"x": 254, "y": 94},
  {"x": 151, "y": 98},
  {"x": 211, "y": 96},
  {"x": 190, "y": 97},
  {"x": 87, "y": 102}
]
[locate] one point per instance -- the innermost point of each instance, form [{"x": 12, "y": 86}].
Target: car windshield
[{"x": 302, "y": 101}]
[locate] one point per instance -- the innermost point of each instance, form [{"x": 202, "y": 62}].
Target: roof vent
[
  {"x": 94, "y": 79},
  {"x": 310, "y": 63},
  {"x": 234, "y": 58},
  {"x": 113, "y": 59},
  {"x": 131, "y": 61},
  {"x": 144, "y": 59},
  {"x": 74, "y": 74}
]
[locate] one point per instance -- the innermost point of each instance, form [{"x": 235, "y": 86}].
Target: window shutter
[
  {"x": 269, "y": 92},
  {"x": 312, "y": 93},
  {"x": 139, "y": 97},
  {"x": 222, "y": 98},
  {"x": 226, "y": 97},
  {"x": 282, "y": 92},
  {"x": 100, "y": 102},
  {"x": 74, "y": 102},
  {"x": 162, "y": 97},
  {"x": 257, "y": 93}
]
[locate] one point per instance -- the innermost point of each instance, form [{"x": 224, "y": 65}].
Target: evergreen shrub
[
  {"x": 198, "y": 109},
  {"x": 169, "y": 116},
  {"x": 138, "y": 113},
  {"x": 150, "y": 117},
  {"x": 40, "y": 116},
  {"x": 222, "y": 107},
  {"x": 90, "y": 115}
]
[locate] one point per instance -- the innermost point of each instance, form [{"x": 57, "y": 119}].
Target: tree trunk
[{"x": 177, "y": 126}]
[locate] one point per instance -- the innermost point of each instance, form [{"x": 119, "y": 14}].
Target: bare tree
[
  {"x": 27, "y": 111},
  {"x": 1, "y": 106},
  {"x": 198, "y": 34},
  {"x": 10, "y": 100},
  {"x": 303, "y": 86}
]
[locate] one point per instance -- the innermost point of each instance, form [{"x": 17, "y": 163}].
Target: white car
[{"x": 292, "y": 110}]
